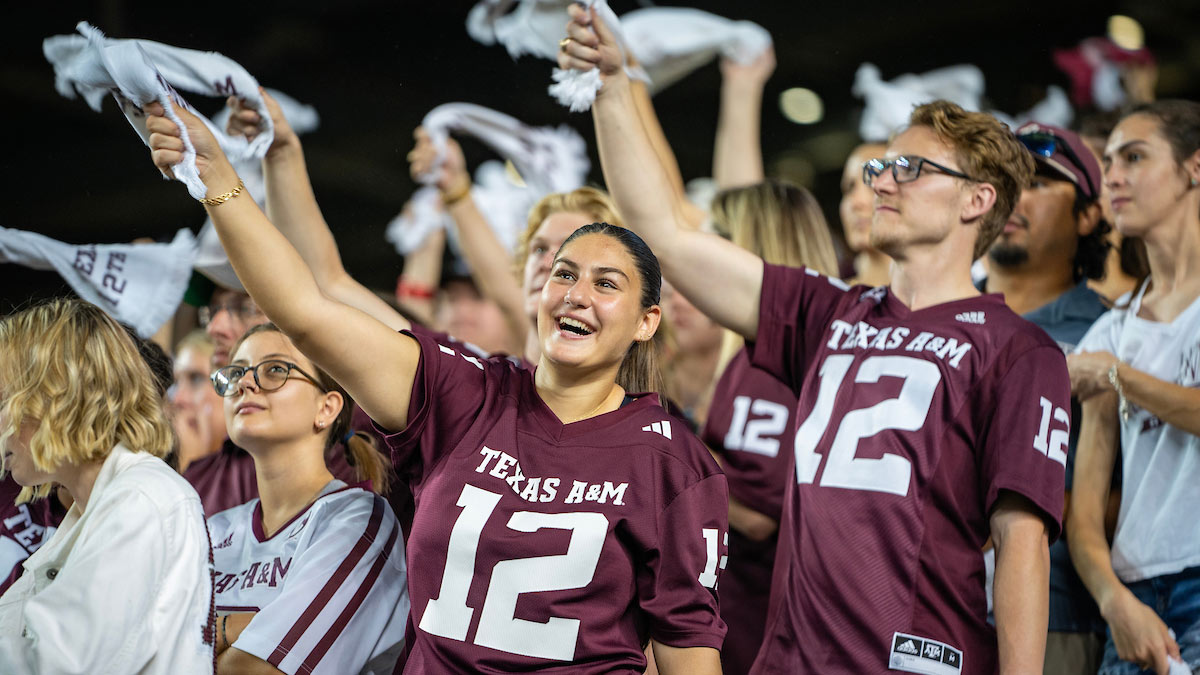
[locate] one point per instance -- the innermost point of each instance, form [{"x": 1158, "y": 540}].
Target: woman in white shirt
[
  {"x": 310, "y": 576},
  {"x": 124, "y": 585},
  {"x": 1138, "y": 373}
]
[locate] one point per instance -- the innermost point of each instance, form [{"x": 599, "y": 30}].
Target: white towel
[
  {"x": 671, "y": 42},
  {"x": 1055, "y": 109},
  {"x": 139, "y": 284},
  {"x": 139, "y": 72},
  {"x": 548, "y": 159},
  {"x": 532, "y": 27},
  {"x": 577, "y": 89},
  {"x": 889, "y": 103},
  {"x": 211, "y": 260}
]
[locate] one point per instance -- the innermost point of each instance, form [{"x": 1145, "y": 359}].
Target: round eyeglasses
[
  {"x": 268, "y": 375},
  {"x": 905, "y": 169}
]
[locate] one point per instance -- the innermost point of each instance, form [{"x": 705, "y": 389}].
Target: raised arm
[
  {"x": 371, "y": 360},
  {"x": 1138, "y": 633},
  {"x": 491, "y": 270},
  {"x": 737, "y": 154},
  {"x": 292, "y": 207},
  {"x": 719, "y": 278}
]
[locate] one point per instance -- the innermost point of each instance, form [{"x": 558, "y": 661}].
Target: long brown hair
[{"x": 361, "y": 452}]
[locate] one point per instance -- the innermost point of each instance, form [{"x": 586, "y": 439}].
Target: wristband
[
  {"x": 451, "y": 198},
  {"x": 224, "y": 197},
  {"x": 412, "y": 289}
]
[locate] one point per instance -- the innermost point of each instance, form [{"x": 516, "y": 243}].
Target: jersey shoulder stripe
[
  {"x": 314, "y": 657},
  {"x": 332, "y": 585}
]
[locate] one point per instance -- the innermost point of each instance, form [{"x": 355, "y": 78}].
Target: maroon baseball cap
[{"x": 1064, "y": 152}]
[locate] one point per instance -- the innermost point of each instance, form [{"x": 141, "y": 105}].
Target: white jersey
[
  {"x": 1157, "y": 531},
  {"x": 329, "y": 588}
]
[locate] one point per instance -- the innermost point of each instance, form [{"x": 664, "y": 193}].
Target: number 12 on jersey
[{"x": 449, "y": 616}]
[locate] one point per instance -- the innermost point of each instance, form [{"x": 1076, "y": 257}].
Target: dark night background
[{"x": 374, "y": 68}]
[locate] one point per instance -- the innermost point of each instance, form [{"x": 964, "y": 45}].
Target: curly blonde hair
[{"x": 74, "y": 371}]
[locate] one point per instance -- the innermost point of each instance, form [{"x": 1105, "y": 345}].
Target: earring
[
  {"x": 1195, "y": 182},
  {"x": 321, "y": 424}
]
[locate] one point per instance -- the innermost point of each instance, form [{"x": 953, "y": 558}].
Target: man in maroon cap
[{"x": 1053, "y": 242}]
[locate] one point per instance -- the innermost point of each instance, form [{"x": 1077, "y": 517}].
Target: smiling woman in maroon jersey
[{"x": 562, "y": 521}]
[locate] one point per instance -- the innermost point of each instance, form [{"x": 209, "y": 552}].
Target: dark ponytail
[{"x": 639, "y": 371}]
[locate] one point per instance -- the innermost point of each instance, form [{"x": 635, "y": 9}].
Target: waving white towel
[
  {"x": 548, "y": 159},
  {"x": 671, "y": 42},
  {"x": 889, "y": 103},
  {"x": 531, "y": 27},
  {"x": 211, "y": 260},
  {"x": 577, "y": 89},
  {"x": 138, "y": 72},
  {"x": 139, "y": 284}
]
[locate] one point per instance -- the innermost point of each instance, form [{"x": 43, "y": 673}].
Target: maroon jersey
[
  {"x": 751, "y": 424},
  {"x": 23, "y": 529},
  {"x": 910, "y": 423},
  {"x": 543, "y": 546}
]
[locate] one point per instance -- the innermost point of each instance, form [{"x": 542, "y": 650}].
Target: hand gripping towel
[{"x": 138, "y": 72}]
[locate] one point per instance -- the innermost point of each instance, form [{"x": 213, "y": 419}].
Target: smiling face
[
  {"x": 257, "y": 419},
  {"x": 1146, "y": 184},
  {"x": 591, "y": 307},
  {"x": 924, "y": 211},
  {"x": 857, "y": 207},
  {"x": 544, "y": 243}
]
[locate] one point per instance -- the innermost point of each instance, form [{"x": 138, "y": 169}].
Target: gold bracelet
[
  {"x": 222, "y": 198},
  {"x": 449, "y": 200}
]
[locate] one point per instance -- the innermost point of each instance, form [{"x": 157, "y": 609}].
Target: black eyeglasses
[
  {"x": 905, "y": 169},
  {"x": 244, "y": 310},
  {"x": 268, "y": 375}
]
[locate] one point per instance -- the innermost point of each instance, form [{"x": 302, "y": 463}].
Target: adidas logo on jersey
[
  {"x": 914, "y": 654},
  {"x": 226, "y": 543},
  {"x": 907, "y": 647},
  {"x": 663, "y": 428},
  {"x": 970, "y": 317}
]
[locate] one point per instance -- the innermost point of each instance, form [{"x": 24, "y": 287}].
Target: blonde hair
[
  {"x": 361, "y": 451},
  {"x": 781, "y": 223},
  {"x": 988, "y": 152},
  {"x": 589, "y": 201},
  {"x": 75, "y": 371}
]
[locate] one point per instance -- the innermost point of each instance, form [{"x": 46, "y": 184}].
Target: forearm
[
  {"x": 490, "y": 267},
  {"x": 686, "y": 660},
  {"x": 237, "y": 662},
  {"x": 737, "y": 155},
  {"x": 422, "y": 271},
  {"x": 1095, "y": 457},
  {"x": 292, "y": 207},
  {"x": 1022, "y": 595},
  {"x": 753, "y": 525},
  {"x": 1169, "y": 402},
  {"x": 658, "y": 139},
  {"x": 722, "y": 280}
]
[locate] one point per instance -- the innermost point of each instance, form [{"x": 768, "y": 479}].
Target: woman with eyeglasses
[
  {"x": 124, "y": 584},
  {"x": 563, "y": 521},
  {"x": 1137, "y": 372},
  {"x": 310, "y": 576}
]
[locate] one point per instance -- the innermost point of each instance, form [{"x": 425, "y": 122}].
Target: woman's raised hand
[
  {"x": 589, "y": 44},
  {"x": 453, "y": 175},
  {"x": 245, "y": 121},
  {"x": 166, "y": 147}
]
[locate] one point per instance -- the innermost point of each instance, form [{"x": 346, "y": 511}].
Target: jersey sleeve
[
  {"x": 448, "y": 392},
  {"x": 677, "y": 589},
  {"x": 796, "y": 306},
  {"x": 1025, "y": 440},
  {"x": 343, "y": 598}
]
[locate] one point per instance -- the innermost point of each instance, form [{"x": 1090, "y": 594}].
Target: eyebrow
[
  {"x": 274, "y": 356},
  {"x": 602, "y": 270},
  {"x": 1124, "y": 147}
]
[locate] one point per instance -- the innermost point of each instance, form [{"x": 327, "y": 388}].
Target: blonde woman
[
  {"x": 124, "y": 585},
  {"x": 750, "y": 425}
]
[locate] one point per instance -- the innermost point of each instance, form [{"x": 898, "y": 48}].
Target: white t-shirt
[
  {"x": 329, "y": 588},
  {"x": 124, "y": 586},
  {"x": 1157, "y": 531}
]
